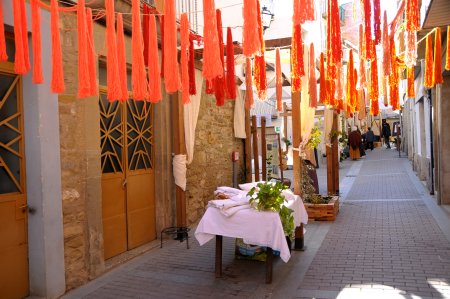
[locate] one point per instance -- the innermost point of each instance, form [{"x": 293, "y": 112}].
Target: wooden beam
[
  {"x": 255, "y": 148},
  {"x": 248, "y": 148},
  {"x": 330, "y": 165},
  {"x": 263, "y": 149}
]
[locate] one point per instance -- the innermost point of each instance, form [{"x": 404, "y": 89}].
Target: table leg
[
  {"x": 218, "y": 266},
  {"x": 299, "y": 238},
  {"x": 269, "y": 264}
]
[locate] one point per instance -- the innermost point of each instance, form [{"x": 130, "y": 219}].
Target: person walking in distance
[
  {"x": 354, "y": 142},
  {"x": 370, "y": 138},
  {"x": 386, "y": 132}
]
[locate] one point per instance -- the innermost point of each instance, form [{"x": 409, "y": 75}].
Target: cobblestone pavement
[{"x": 390, "y": 240}]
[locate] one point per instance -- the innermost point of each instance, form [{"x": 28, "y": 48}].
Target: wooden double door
[
  {"x": 13, "y": 199},
  {"x": 128, "y": 199}
]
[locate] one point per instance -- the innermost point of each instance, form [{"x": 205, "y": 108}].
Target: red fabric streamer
[
  {"x": 145, "y": 29},
  {"x": 192, "y": 86},
  {"x": 362, "y": 59},
  {"x": 172, "y": 80},
  {"x": 339, "y": 88},
  {"x": 447, "y": 57},
  {"x": 121, "y": 60},
  {"x": 350, "y": 83},
  {"x": 112, "y": 66},
  {"x": 209, "y": 87},
  {"x": 377, "y": 21},
  {"x": 251, "y": 43},
  {"x": 386, "y": 48},
  {"x": 312, "y": 78},
  {"x": 3, "y": 54},
  {"x": 20, "y": 66},
  {"x": 92, "y": 56},
  {"x": 248, "y": 84},
  {"x": 25, "y": 35},
  {"x": 428, "y": 82},
  {"x": 367, "y": 28},
  {"x": 57, "y": 83},
  {"x": 438, "y": 78},
  {"x": 412, "y": 15},
  {"x": 84, "y": 87},
  {"x": 260, "y": 76},
  {"x": 355, "y": 91},
  {"x": 219, "y": 82},
  {"x": 362, "y": 44},
  {"x": 373, "y": 89},
  {"x": 411, "y": 89},
  {"x": 231, "y": 82},
  {"x": 163, "y": 57},
  {"x": 298, "y": 68},
  {"x": 278, "y": 80},
  {"x": 394, "y": 93},
  {"x": 36, "y": 42},
  {"x": 334, "y": 43},
  {"x": 323, "y": 86},
  {"x": 154, "y": 77},
  {"x": 303, "y": 11},
  {"x": 212, "y": 66},
  {"x": 184, "y": 33}
]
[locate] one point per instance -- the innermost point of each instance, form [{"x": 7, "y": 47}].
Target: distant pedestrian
[
  {"x": 354, "y": 141},
  {"x": 370, "y": 138},
  {"x": 386, "y": 133}
]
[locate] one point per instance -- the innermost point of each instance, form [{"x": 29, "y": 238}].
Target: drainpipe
[{"x": 431, "y": 142}]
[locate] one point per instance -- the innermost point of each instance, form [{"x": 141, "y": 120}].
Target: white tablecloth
[{"x": 254, "y": 227}]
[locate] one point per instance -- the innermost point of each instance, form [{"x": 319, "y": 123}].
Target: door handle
[
  {"x": 124, "y": 183},
  {"x": 25, "y": 208}
]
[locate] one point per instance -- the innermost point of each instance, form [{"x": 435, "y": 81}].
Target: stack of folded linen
[{"x": 237, "y": 200}]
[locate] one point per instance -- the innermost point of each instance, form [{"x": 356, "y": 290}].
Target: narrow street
[{"x": 390, "y": 240}]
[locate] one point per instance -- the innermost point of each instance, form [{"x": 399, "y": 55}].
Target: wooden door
[
  {"x": 127, "y": 179},
  {"x": 13, "y": 201}
]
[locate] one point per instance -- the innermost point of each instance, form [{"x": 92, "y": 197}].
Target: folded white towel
[{"x": 233, "y": 210}]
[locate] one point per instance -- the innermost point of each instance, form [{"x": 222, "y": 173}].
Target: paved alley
[{"x": 390, "y": 240}]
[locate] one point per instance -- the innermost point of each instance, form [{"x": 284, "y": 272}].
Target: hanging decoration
[
  {"x": 350, "y": 83},
  {"x": 303, "y": 11},
  {"x": 3, "y": 54},
  {"x": 163, "y": 57},
  {"x": 394, "y": 93},
  {"x": 231, "y": 84},
  {"x": 83, "y": 68},
  {"x": 355, "y": 91},
  {"x": 21, "y": 62},
  {"x": 362, "y": 104},
  {"x": 184, "y": 33},
  {"x": 121, "y": 60},
  {"x": 412, "y": 15},
  {"x": 154, "y": 77},
  {"x": 219, "y": 82},
  {"x": 279, "y": 80},
  {"x": 377, "y": 21},
  {"x": 298, "y": 69},
  {"x": 411, "y": 90},
  {"x": 172, "y": 80},
  {"x": 260, "y": 62},
  {"x": 428, "y": 82},
  {"x": 57, "y": 84},
  {"x": 35, "y": 40},
  {"x": 366, "y": 14},
  {"x": 92, "y": 56},
  {"x": 447, "y": 57},
  {"x": 394, "y": 78},
  {"x": 437, "y": 74},
  {"x": 334, "y": 44},
  {"x": 386, "y": 48},
  {"x": 248, "y": 84},
  {"x": 145, "y": 29},
  {"x": 373, "y": 88},
  {"x": 192, "y": 86},
  {"x": 339, "y": 89},
  {"x": 251, "y": 42},
  {"x": 112, "y": 70},
  {"x": 312, "y": 78},
  {"x": 362, "y": 58},
  {"x": 322, "y": 81},
  {"x": 212, "y": 66},
  {"x": 209, "y": 87}
]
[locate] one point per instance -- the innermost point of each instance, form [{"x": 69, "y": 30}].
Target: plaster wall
[{"x": 444, "y": 142}]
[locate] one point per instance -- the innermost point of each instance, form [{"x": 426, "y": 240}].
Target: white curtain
[{"x": 239, "y": 115}]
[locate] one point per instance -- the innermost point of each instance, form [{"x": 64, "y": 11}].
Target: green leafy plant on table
[{"x": 268, "y": 197}]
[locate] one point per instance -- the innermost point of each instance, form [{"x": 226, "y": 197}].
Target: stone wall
[{"x": 212, "y": 166}]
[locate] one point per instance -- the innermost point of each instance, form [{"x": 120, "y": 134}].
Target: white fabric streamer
[{"x": 179, "y": 170}]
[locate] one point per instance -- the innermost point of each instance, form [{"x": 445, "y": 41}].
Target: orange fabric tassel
[
  {"x": 411, "y": 88},
  {"x": 212, "y": 66},
  {"x": 154, "y": 77},
  {"x": 394, "y": 93},
  {"x": 92, "y": 56},
  {"x": 112, "y": 69},
  {"x": 145, "y": 29},
  {"x": 209, "y": 87},
  {"x": 412, "y": 15},
  {"x": 219, "y": 82},
  {"x": 362, "y": 59},
  {"x": 3, "y": 54},
  {"x": 428, "y": 82},
  {"x": 323, "y": 82},
  {"x": 298, "y": 69},
  {"x": 184, "y": 33},
  {"x": 84, "y": 87},
  {"x": 260, "y": 76},
  {"x": 377, "y": 21},
  {"x": 278, "y": 80},
  {"x": 350, "y": 83},
  {"x": 362, "y": 104},
  {"x": 339, "y": 89},
  {"x": 192, "y": 86},
  {"x": 386, "y": 47},
  {"x": 438, "y": 78},
  {"x": 447, "y": 57},
  {"x": 303, "y": 11},
  {"x": 355, "y": 91},
  {"x": 251, "y": 41},
  {"x": 231, "y": 82},
  {"x": 248, "y": 84},
  {"x": 172, "y": 80},
  {"x": 36, "y": 41},
  {"x": 121, "y": 60},
  {"x": 312, "y": 78},
  {"x": 373, "y": 90},
  {"x": 21, "y": 55},
  {"x": 334, "y": 43},
  {"x": 57, "y": 83},
  {"x": 163, "y": 57},
  {"x": 367, "y": 28}
]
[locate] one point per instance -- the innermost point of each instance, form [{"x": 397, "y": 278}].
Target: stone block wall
[{"x": 212, "y": 166}]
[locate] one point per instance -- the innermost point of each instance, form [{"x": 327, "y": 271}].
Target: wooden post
[
  {"x": 218, "y": 264},
  {"x": 179, "y": 147},
  {"x": 280, "y": 158},
  {"x": 269, "y": 265},
  {"x": 255, "y": 148},
  {"x": 263, "y": 149},
  {"x": 330, "y": 166},
  {"x": 248, "y": 148},
  {"x": 285, "y": 116},
  {"x": 335, "y": 154}
]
